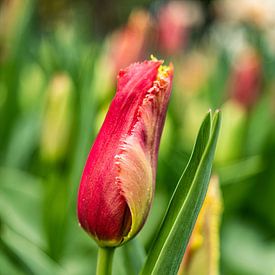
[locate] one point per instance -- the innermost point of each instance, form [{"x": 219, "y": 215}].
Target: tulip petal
[
  {"x": 137, "y": 160},
  {"x": 118, "y": 181}
]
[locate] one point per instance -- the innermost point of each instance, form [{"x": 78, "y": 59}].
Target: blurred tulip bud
[
  {"x": 118, "y": 180},
  {"x": 32, "y": 84},
  {"x": 128, "y": 44},
  {"x": 174, "y": 22},
  {"x": 202, "y": 252},
  {"x": 12, "y": 16},
  {"x": 56, "y": 125},
  {"x": 245, "y": 82},
  {"x": 231, "y": 133},
  {"x": 123, "y": 47}
]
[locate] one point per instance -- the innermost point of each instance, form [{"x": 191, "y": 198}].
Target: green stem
[{"x": 105, "y": 260}]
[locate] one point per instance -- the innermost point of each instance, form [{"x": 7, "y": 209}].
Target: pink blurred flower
[
  {"x": 174, "y": 22},
  {"x": 245, "y": 82},
  {"x": 128, "y": 44}
]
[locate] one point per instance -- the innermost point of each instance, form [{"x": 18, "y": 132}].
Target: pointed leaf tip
[{"x": 168, "y": 248}]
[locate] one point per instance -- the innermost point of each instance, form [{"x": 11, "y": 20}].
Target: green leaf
[
  {"x": 9, "y": 264},
  {"x": 28, "y": 255},
  {"x": 168, "y": 248},
  {"x": 20, "y": 204}
]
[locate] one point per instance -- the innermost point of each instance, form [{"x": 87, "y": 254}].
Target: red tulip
[
  {"x": 246, "y": 80},
  {"x": 117, "y": 184},
  {"x": 175, "y": 21}
]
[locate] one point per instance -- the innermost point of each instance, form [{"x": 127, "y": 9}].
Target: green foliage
[{"x": 167, "y": 251}]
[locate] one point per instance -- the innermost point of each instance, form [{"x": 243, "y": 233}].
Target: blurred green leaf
[
  {"x": 55, "y": 215},
  {"x": 240, "y": 170},
  {"x": 168, "y": 248},
  {"x": 37, "y": 261},
  {"x": 245, "y": 251},
  {"x": 26, "y": 131},
  {"x": 8, "y": 266},
  {"x": 20, "y": 204},
  {"x": 17, "y": 44},
  {"x": 133, "y": 256},
  {"x": 255, "y": 140},
  {"x": 80, "y": 254}
]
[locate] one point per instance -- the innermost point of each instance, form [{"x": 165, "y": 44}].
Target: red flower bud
[
  {"x": 129, "y": 43},
  {"x": 117, "y": 184},
  {"x": 246, "y": 79},
  {"x": 175, "y": 21}
]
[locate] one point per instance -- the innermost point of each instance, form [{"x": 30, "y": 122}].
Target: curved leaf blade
[{"x": 168, "y": 248}]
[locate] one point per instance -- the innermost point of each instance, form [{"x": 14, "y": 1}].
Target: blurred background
[{"x": 58, "y": 67}]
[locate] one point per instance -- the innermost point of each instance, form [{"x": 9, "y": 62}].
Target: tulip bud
[
  {"x": 118, "y": 180},
  {"x": 128, "y": 44},
  {"x": 55, "y": 135},
  {"x": 246, "y": 79},
  {"x": 175, "y": 20}
]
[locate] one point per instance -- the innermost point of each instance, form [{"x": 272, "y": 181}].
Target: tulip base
[{"x": 105, "y": 260}]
